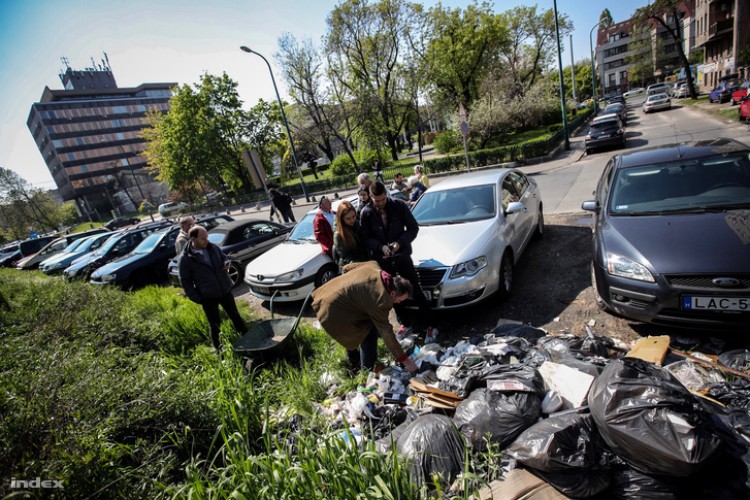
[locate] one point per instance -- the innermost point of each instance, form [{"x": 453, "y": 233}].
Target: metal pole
[
  {"x": 137, "y": 183},
  {"x": 283, "y": 116},
  {"x": 573, "y": 70},
  {"x": 593, "y": 70},
  {"x": 562, "y": 84}
]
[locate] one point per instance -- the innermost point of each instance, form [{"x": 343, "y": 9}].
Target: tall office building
[{"x": 89, "y": 137}]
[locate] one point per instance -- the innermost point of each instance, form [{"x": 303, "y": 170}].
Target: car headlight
[
  {"x": 294, "y": 275},
  {"x": 107, "y": 278},
  {"x": 618, "y": 265},
  {"x": 469, "y": 268}
]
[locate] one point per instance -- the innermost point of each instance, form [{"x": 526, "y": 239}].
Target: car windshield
[
  {"x": 93, "y": 241},
  {"x": 109, "y": 244},
  {"x": 657, "y": 97},
  {"x": 148, "y": 245},
  {"x": 217, "y": 238},
  {"x": 604, "y": 124},
  {"x": 73, "y": 246},
  {"x": 462, "y": 204},
  {"x": 303, "y": 231},
  {"x": 713, "y": 183}
]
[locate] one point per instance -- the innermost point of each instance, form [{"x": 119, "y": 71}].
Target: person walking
[
  {"x": 387, "y": 228},
  {"x": 346, "y": 244},
  {"x": 353, "y": 309},
  {"x": 323, "y": 224},
  {"x": 204, "y": 278},
  {"x": 186, "y": 223},
  {"x": 281, "y": 203}
]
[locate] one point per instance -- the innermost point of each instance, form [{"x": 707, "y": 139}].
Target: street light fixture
[
  {"x": 562, "y": 84},
  {"x": 283, "y": 116},
  {"x": 137, "y": 183},
  {"x": 593, "y": 70}
]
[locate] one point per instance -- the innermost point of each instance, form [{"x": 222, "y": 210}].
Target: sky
[{"x": 156, "y": 41}]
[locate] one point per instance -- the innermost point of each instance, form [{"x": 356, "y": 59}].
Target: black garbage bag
[
  {"x": 581, "y": 365},
  {"x": 434, "y": 447},
  {"x": 523, "y": 331},
  {"x": 555, "y": 347},
  {"x": 567, "y": 452},
  {"x": 650, "y": 420},
  {"x": 626, "y": 482},
  {"x": 593, "y": 346},
  {"x": 536, "y": 358},
  {"x": 522, "y": 377},
  {"x": 497, "y": 416},
  {"x": 739, "y": 359},
  {"x": 385, "y": 443},
  {"x": 735, "y": 395}
]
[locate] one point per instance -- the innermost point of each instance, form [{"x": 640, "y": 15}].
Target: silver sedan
[
  {"x": 473, "y": 228},
  {"x": 656, "y": 102}
]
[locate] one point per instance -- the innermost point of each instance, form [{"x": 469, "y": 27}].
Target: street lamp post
[
  {"x": 137, "y": 183},
  {"x": 593, "y": 70},
  {"x": 562, "y": 84},
  {"x": 283, "y": 116}
]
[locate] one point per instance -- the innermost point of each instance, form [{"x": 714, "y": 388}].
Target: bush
[
  {"x": 342, "y": 165},
  {"x": 366, "y": 159},
  {"x": 445, "y": 142}
]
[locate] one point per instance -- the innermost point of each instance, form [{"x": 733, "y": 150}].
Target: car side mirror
[
  {"x": 590, "y": 206},
  {"x": 513, "y": 207}
]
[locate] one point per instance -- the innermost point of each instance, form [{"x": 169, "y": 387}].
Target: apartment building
[
  {"x": 89, "y": 136},
  {"x": 612, "y": 52},
  {"x": 722, "y": 30}
]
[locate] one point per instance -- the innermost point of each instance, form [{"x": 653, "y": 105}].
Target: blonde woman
[
  {"x": 422, "y": 176},
  {"x": 346, "y": 244}
]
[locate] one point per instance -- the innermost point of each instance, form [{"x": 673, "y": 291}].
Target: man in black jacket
[
  {"x": 387, "y": 228},
  {"x": 281, "y": 203},
  {"x": 203, "y": 274}
]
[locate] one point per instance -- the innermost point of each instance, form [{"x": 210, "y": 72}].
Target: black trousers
[
  {"x": 211, "y": 308},
  {"x": 367, "y": 354},
  {"x": 403, "y": 265}
]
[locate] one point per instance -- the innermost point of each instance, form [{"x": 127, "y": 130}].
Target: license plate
[
  {"x": 693, "y": 303},
  {"x": 262, "y": 290}
]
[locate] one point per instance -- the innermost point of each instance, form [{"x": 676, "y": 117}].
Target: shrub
[
  {"x": 445, "y": 142},
  {"x": 342, "y": 165},
  {"x": 366, "y": 159}
]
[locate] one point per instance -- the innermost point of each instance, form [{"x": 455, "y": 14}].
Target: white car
[
  {"x": 634, "y": 92},
  {"x": 173, "y": 207},
  {"x": 656, "y": 102},
  {"x": 473, "y": 228},
  {"x": 293, "y": 268}
]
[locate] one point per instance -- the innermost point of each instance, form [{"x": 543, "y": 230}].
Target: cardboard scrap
[
  {"x": 572, "y": 385},
  {"x": 519, "y": 484},
  {"x": 652, "y": 349},
  {"x": 420, "y": 386}
]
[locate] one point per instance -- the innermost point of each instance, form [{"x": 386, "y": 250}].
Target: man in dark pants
[
  {"x": 387, "y": 228},
  {"x": 203, "y": 274}
]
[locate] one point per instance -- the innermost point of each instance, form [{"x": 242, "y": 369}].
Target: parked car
[
  {"x": 741, "y": 92},
  {"x": 657, "y": 88},
  {"x": 656, "y": 102},
  {"x": 171, "y": 208},
  {"x": 616, "y": 99},
  {"x": 54, "y": 247},
  {"x": 680, "y": 92},
  {"x": 724, "y": 90},
  {"x": 617, "y": 108},
  {"x": 58, "y": 262},
  {"x": 146, "y": 264},
  {"x": 8, "y": 252},
  {"x": 745, "y": 109},
  {"x": 244, "y": 240},
  {"x": 118, "y": 245},
  {"x": 605, "y": 131},
  {"x": 473, "y": 229},
  {"x": 293, "y": 268},
  {"x": 119, "y": 222},
  {"x": 24, "y": 249},
  {"x": 634, "y": 92},
  {"x": 208, "y": 222},
  {"x": 670, "y": 240}
]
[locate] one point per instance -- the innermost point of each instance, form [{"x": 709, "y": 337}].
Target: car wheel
[
  {"x": 506, "y": 276},
  {"x": 599, "y": 300},
  {"x": 539, "y": 233},
  {"x": 325, "y": 274},
  {"x": 235, "y": 273}
]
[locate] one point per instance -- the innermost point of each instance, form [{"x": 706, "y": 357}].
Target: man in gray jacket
[{"x": 203, "y": 274}]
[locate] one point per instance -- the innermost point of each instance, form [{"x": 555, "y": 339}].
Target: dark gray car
[{"x": 671, "y": 239}]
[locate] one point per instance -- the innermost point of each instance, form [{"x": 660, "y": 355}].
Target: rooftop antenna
[
  {"x": 65, "y": 61},
  {"x": 107, "y": 61}
]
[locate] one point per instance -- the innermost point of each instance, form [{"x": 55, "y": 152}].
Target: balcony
[{"x": 721, "y": 27}]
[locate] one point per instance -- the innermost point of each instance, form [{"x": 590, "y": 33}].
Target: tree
[
  {"x": 23, "y": 206},
  {"x": 605, "y": 19},
  {"x": 532, "y": 47},
  {"x": 668, "y": 14},
  {"x": 641, "y": 58}
]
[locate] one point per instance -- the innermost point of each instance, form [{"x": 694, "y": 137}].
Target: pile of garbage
[{"x": 587, "y": 415}]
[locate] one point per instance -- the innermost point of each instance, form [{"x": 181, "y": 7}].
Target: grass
[{"x": 119, "y": 395}]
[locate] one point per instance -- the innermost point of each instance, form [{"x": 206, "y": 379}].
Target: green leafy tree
[
  {"x": 641, "y": 58},
  {"x": 23, "y": 206},
  {"x": 532, "y": 48},
  {"x": 668, "y": 14},
  {"x": 605, "y": 19}
]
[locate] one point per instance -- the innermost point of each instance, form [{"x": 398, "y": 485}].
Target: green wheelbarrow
[{"x": 270, "y": 334}]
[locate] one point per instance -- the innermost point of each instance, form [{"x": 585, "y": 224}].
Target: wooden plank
[
  {"x": 710, "y": 364},
  {"x": 651, "y": 349},
  {"x": 438, "y": 402},
  {"x": 422, "y": 387}
]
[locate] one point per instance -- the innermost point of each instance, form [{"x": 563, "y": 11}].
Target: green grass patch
[
  {"x": 119, "y": 395},
  {"x": 85, "y": 226}
]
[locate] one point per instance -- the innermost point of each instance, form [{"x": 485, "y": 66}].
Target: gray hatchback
[{"x": 671, "y": 241}]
